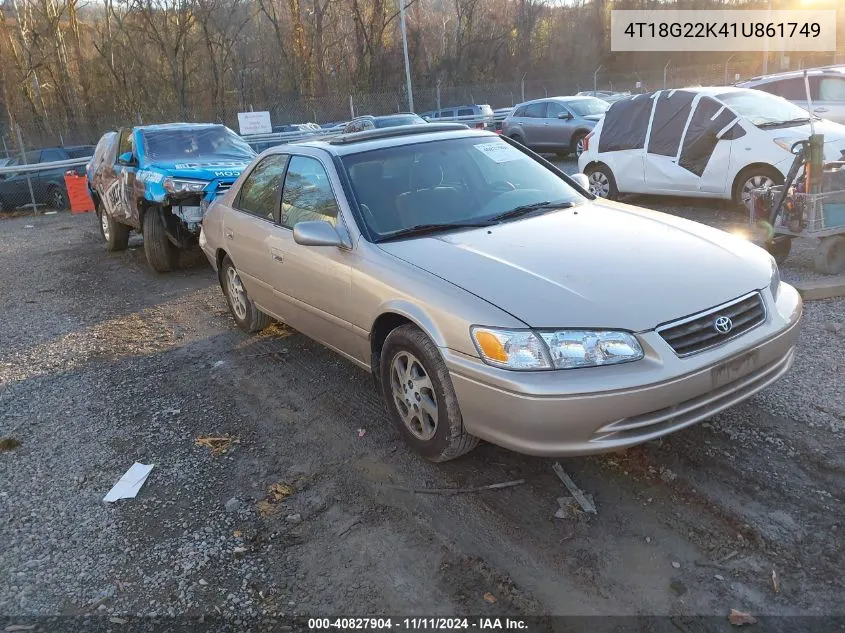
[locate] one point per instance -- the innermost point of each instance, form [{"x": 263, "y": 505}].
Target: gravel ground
[{"x": 103, "y": 363}]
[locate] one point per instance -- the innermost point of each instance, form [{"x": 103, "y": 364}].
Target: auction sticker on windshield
[{"x": 500, "y": 152}]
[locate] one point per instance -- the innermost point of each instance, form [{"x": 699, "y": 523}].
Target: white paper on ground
[{"x": 130, "y": 483}]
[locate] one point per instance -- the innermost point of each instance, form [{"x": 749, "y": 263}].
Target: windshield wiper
[
  {"x": 524, "y": 209},
  {"x": 787, "y": 122},
  {"x": 423, "y": 229}
]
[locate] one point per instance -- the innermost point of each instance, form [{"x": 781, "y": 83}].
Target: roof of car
[
  {"x": 356, "y": 142},
  {"x": 789, "y": 74},
  {"x": 175, "y": 126},
  {"x": 557, "y": 98}
]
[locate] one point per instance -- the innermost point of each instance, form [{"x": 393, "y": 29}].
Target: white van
[{"x": 703, "y": 142}]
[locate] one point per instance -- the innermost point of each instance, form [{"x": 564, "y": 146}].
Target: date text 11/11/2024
[{"x": 418, "y": 624}]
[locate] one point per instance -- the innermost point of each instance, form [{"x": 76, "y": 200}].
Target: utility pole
[{"x": 405, "y": 49}]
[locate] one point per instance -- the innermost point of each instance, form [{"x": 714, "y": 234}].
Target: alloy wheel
[
  {"x": 237, "y": 294},
  {"x": 579, "y": 147},
  {"x": 414, "y": 395}
]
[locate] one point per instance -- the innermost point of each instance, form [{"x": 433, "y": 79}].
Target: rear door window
[
  {"x": 831, "y": 89},
  {"x": 50, "y": 155},
  {"x": 465, "y": 112},
  {"x": 535, "y": 110},
  {"x": 671, "y": 112},
  {"x": 710, "y": 118},
  {"x": 259, "y": 195}
]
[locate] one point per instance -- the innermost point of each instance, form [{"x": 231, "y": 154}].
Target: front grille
[{"x": 699, "y": 332}]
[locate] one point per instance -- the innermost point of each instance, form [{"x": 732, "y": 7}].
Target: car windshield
[
  {"x": 411, "y": 119},
  {"x": 448, "y": 183},
  {"x": 763, "y": 109},
  {"x": 586, "y": 107},
  {"x": 201, "y": 143}
]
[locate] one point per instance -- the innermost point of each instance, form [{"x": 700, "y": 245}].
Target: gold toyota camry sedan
[{"x": 494, "y": 298}]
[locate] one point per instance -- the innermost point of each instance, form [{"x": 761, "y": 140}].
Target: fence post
[
  {"x": 596, "y": 81},
  {"x": 351, "y": 108},
  {"x": 727, "y": 61},
  {"x": 23, "y": 160},
  {"x": 438, "y": 93},
  {"x": 5, "y": 147},
  {"x": 665, "y": 69},
  {"x": 523, "y": 86}
]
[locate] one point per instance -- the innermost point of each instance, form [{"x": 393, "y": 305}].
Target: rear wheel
[
  {"x": 115, "y": 234},
  {"x": 57, "y": 198},
  {"x": 161, "y": 253},
  {"x": 420, "y": 398},
  {"x": 602, "y": 182},
  {"x": 248, "y": 317},
  {"x": 578, "y": 143}
]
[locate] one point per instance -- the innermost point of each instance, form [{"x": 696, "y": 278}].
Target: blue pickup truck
[{"x": 158, "y": 180}]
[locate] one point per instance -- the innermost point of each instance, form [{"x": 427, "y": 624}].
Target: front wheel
[
  {"x": 578, "y": 144},
  {"x": 248, "y": 317},
  {"x": 602, "y": 182},
  {"x": 420, "y": 398},
  {"x": 757, "y": 177},
  {"x": 57, "y": 199},
  {"x": 161, "y": 253}
]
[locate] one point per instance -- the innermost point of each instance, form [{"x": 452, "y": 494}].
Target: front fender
[{"x": 418, "y": 315}]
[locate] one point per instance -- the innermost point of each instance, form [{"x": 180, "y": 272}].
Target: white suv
[
  {"x": 703, "y": 142},
  {"x": 827, "y": 89}
]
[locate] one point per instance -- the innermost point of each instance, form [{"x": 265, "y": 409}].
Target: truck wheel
[
  {"x": 830, "y": 255},
  {"x": 248, "y": 317},
  {"x": 420, "y": 398},
  {"x": 162, "y": 255},
  {"x": 57, "y": 198},
  {"x": 115, "y": 234}
]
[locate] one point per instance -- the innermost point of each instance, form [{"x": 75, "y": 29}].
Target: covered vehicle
[
  {"x": 719, "y": 142},
  {"x": 159, "y": 180}
]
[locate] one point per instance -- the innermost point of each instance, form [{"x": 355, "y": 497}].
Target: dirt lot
[{"x": 103, "y": 363}]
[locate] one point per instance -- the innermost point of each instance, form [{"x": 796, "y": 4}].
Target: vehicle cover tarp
[
  {"x": 625, "y": 124},
  {"x": 670, "y": 116},
  {"x": 701, "y": 136}
]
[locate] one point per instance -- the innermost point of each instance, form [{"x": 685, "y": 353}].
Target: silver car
[
  {"x": 492, "y": 297},
  {"x": 827, "y": 89},
  {"x": 556, "y": 124}
]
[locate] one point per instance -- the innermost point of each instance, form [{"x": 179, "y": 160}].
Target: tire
[
  {"x": 115, "y": 234},
  {"x": 752, "y": 178},
  {"x": 830, "y": 255},
  {"x": 602, "y": 182},
  {"x": 408, "y": 356},
  {"x": 57, "y": 198},
  {"x": 578, "y": 143},
  {"x": 248, "y": 317},
  {"x": 779, "y": 248},
  {"x": 162, "y": 255}
]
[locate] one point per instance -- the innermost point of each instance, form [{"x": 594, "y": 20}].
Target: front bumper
[{"x": 585, "y": 411}]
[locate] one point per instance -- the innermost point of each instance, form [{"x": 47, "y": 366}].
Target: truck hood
[
  {"x": 597, "y": 265},
  {"x": 211, "y": 170}
]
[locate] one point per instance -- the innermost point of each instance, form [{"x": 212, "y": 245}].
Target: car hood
[
  {"x": 597, "y": 265},
  {"x": 834, "y": 134},
  {"x": 206, "y": 170}
]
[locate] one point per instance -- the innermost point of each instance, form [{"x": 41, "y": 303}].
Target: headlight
[
  {"x": 774, "y": 283},
  {"x": 590, "y": 348},
  {"x": 178, "y": 185},
  {"x": 561, "y": 349},
  {"x": 786, "y": 142},
  {"x": 511, "y": 349}
]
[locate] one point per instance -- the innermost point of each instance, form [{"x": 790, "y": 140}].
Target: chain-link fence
[{"x": 32, "y": 140}]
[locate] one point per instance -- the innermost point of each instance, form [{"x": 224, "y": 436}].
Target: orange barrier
[{"x": 77, "y": 192}]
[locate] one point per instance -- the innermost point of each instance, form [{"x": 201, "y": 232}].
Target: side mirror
[
  {"x": 564, "y": 115},
  {"x": 315, "y": 233},
  {"x": 125, "y": 159},
  {"x": 582, "y": 181}
]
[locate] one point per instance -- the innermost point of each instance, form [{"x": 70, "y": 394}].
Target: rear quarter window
[{"x": 625, "y": 125}]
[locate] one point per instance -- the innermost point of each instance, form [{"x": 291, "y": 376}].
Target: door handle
[
  {"x": 277, "y": 255},
  {"x": 229, "y": 233},
  {"x": 822, "y": 109}
]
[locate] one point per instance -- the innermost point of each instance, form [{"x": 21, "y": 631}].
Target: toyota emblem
[{"x": 723, "y": 325}]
